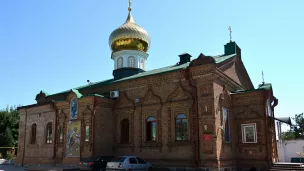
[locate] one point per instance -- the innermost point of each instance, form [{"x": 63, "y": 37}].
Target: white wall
[{"x": 288, "y": 149}]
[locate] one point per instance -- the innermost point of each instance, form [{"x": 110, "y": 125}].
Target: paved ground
[{"x": 10, "y": 168}]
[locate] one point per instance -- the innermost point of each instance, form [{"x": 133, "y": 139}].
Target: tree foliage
[
  {"x": 9, "y": 125},
  {"x": 298, "y": 129}
]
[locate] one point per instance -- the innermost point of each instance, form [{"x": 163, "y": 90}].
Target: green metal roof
[
  {"x": 218, "y": 59},
  {"x": 265, "y": 86}
]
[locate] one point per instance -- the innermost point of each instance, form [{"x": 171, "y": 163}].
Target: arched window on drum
[
  {"x": 142, "y": 64},
  {"x": 119, "y": 62},
  {"x": 131, "y": 60}
]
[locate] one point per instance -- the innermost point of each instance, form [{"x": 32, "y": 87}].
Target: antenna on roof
[{"x": 263, "y": 78}]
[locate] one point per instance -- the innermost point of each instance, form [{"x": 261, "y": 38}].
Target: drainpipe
[
  {"x": 275, "y": 103},
  {"x": 52, "y": 105},
  {"x": 187, "y": 77},
  {"x": 22, "y": 162},
  {"x": 93, "y": 125},
  {"x": 266, "y": 94}
]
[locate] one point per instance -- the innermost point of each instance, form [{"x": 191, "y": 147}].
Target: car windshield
[{"x": 118, "y": 159}]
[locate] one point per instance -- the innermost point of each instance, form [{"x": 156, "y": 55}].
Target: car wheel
[
  {"x": 150, "y": 169},
  {"x": 129, "y": 169}
]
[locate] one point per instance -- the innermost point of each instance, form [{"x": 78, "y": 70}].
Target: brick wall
[
  {"x": 249, "y": 108},
  {"x": 163, "y": 97},
  {"x": 40, "y": 151}
]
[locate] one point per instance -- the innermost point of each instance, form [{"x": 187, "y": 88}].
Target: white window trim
[{"x": 255, "y": 132}]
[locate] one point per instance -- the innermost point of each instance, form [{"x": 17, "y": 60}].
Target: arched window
[
  {"x": 33, "y": 133},
  {"x": 49, "y": 133},
  {"x": 87, "y": 133},
  {"x": 119, "y": 62},
  {"x": 124, "y": 131},
  {"x": 61, "y": 134},
  {"x": 131, "y": 60},
  {"x": 142, "y": 64},
  {"x": 151, "y": 129},
  {"x": 181, "y": 127}
]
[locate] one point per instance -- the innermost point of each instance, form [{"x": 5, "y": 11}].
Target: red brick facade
[{"x": 200, "y": 92}]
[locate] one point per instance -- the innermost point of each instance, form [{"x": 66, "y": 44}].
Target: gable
[{"x": 235, "y": 69}]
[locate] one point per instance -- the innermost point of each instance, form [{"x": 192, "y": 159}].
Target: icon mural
[
  {"x": 73, "y": 109},
  {"x": 73, "y": 139},
  {"x": 249, "y": 133}
]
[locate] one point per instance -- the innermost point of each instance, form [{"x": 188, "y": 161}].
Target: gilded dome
[{"x": 129, "y": 36}]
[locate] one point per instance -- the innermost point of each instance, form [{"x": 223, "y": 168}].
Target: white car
[{"x": 128, "y": 163}]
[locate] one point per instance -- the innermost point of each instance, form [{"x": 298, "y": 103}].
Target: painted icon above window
[{"x": 74, "y": 109}]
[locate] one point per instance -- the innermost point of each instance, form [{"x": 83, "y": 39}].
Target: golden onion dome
[{"x": 129, "y": 36}]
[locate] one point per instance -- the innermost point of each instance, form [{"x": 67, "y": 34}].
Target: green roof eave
[{"x": 78, "y": 95}]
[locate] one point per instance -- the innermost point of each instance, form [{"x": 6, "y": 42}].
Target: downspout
[
  {"x": 266, "y": 123},
  {"x": 93, "y": 125},
  {"x": 22, "y": 162},
  {"x": 55, "y": 132},
  {"x": 275, "y": 103},
  {"x": 187, "y": 77}
]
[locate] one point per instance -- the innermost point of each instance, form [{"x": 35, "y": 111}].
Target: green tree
[
  {"x": 299, "y": 127},
  {"x": 288, "y": 135},
  {"x": 9, "y": 125}
]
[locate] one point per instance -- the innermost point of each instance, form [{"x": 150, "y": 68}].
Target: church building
[{"x": 202, "y": 112}]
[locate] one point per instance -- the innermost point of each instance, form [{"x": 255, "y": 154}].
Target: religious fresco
[
  {"x": 73, "y": 139},
  {"x": 73, "y": 109},
  {"x": 249, "y": 133}
]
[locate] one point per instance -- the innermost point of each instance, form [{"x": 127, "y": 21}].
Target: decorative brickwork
[{"x": 163, "y": 96}]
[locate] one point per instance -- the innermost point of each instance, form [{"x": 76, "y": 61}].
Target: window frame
[
  {"x": 149, "y": 129},
  {"x": 87, "y": 134},
  {"x": 119, "y": 59},
  {"x": 33, "y": 139},
  {"x": 184, "y": 131},
  {"x": 60, "y": 134},
  {"x": 244, "y": 139},
  {"x": 228, "y": 123},
  {"x": 49, "y": 138},
  {"x": 130, "y": 60},
  {"x": 124, "y": 131},
  {"x": 141, "y": 63}
]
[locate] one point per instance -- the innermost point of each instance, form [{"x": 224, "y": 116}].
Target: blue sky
[{"x": 55, "y": 45}]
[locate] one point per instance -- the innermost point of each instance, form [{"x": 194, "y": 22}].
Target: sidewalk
[{"x": 57, "y": 167}]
